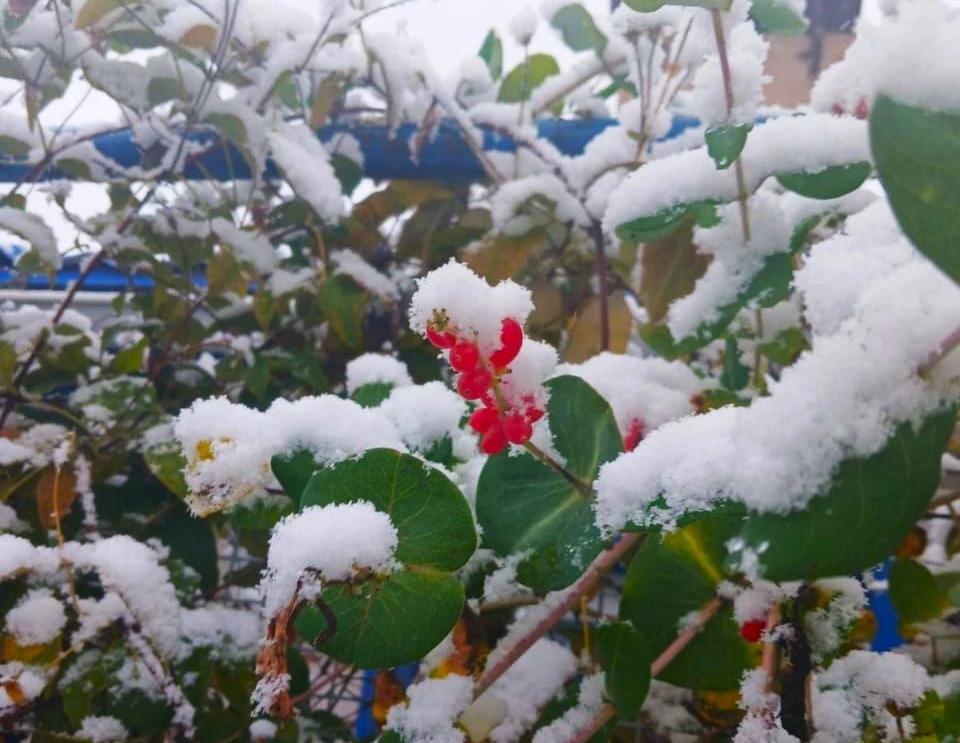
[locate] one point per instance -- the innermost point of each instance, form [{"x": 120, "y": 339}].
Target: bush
[{"x": 705, "y": 378}]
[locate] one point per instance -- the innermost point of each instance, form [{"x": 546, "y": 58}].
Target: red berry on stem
[
  {"x": 494, "y": 441},
  {"x": 752, "y": 631},
  {"x": 483, "y": 419},
  {"x": 533, "y": 413},
  {"x": 516, "y": 428},
  {"x": 472, "y": 384},
  {"x": 465, "y": 356},
  {"x": 511, "y": 338},
  {"x": 441, "y": 339}
]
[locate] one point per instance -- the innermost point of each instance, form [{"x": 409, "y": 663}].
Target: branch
[
  {"x": 587, "y": 582},
  {"x": 596, "y": 231},
  {"x": 947, "y": 345},
  {"x": 606, "y": 713},
  {"x": 685, "y": 637}
]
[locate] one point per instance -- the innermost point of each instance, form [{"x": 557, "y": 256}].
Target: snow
[
  {"x": 651, "y": 390},
  {"x": 17, "y": 555},
  {"x": 132, "y": 570},
  {"x": 912, "y": 58},
  {"x": 843, "y": 399},
  {"x": 433, "y": 708},
  {"x": 34, "y": 447},
  {"x": 228, "y": 446},
  {"x": 306, "y": 165},
  {"x": 102, "y": 729},
  {"x": 509, "y": 197},
  {"x": 335, "y": 542},
  {"x": 9, "y": 521},
  {"x": 566, "y": 727},
  {"x": 231, "y": 634},
  {"x": 523, "y": 384},
  {"x": 735, "y": 261},
  {"x": 826, "y": 627},
  {"x": 424, "y": 414},
  {"x": 37, "y": 618},
  {"x": 747, "y": 53},
  {"x": 501, "y": 584},
  {"x": 784, "y": 145},
  {"x": 537, "y": 676},
  {"x": 351, "y": 264},
  {"x": 247, "y": 246},
  {"x": 523, "y": 25},
  {"x": 262, "y": 730},
  {"x": 371, "y": 368},
  {"x": 473, "y": 307},
  {"x": 34, "y": 230}
]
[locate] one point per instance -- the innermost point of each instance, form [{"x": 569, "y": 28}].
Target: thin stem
[
  {"x": 606, "y": 713},
  {"x": 596, "y": 231},
  {"x": 540, "y": 454},
  {"x": 771, "y": 651},
  {"x": 757, "y": 354},
  {"x": 947, "y": 345},
  {"x": 685, "y": 637},
  {"x": 586, "y": 583}
]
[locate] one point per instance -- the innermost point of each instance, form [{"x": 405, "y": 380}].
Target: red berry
[
  {"x": 440, "y": 339},
  {"x": 638, "y": 429},
  {"x": 516, "y": 428},
  {"x": 862, "y": 111},
  {"x": 752, "y": 631},
  {"x": 837, "y": 109},
  {"x": 465, "y": 356},
  {"x": 472, "y": 384},
  {"x": 533, "y": 413},
  {"x": 494, "y": 441},
  {"x": 511, "y": 338},
  {"x": 483, "y": 419}
]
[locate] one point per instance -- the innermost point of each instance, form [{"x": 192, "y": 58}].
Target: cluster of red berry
[
  {"x": 496, "y": 421},
  {"x": 635, "y": 434}
]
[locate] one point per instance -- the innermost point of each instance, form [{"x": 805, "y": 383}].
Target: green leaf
[
  {"x": 580, "y": 33},
  {"x": 785, "y": 346},
  {"x": 492, "y": 53},
  {"x": 191, "y": 540},
  {"x": 725, "y": 143},
  {"x": 389, "y": 622},
  {"x": 372, "y": 394},
  {"x": 92, "y": 11},
  {"x": 231, "y": 125},
  {"x": 914, "y": 591},
  {"x": 735, "y": 375},
  {"x": 917, "y": 153},
  {"x": 524, "y": 505},
  {"x": 654, "y": 227},
  {"x": 344, "y": 304},
  {"x": 163, "y": 89},
  {"x": 836, "y": 534},
  {"x": 626, "y": 664},
  {"x": 523, "y": 79},
  {"x": 564, "y": 702},
  {"x": 432, "y": 518},
  {"x": 130, "y": 359},
  {"x": 672, "y": 576},
  {"x": 648, "y": 6},
  {"x": 293, "y": 471},
  {"x": 829, "y": 183},
  {"x": 348, "y": 172},
  {"x": 167, "y": 463},
  {"x": 13, "y": 147},
  {"x": 776, "y": 17},
  {"x": 385, "y": 622},
  {"x": 260, "y": 513}
]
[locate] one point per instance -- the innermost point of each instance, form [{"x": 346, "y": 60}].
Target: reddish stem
[
  {"x": 685, "y": 637},
  {"x": 606, "y": 713}
]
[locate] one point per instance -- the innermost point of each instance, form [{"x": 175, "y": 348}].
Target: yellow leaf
[
  {"x": 547, "y": 307},
  {"x": 387, "y": 692},
  {"x": 504, "y": 257},
  {"x": 11, "y": 650},
  {"x": 323, "y": 98},
  {"x": 200, "y": 36},
  {"x": 671, "y": 267},
  {"x": 56, "y": 492},
  {"x": 15, "y": 692},
  {"x": 584, "y": 338},
  {"x": 92, "y": 11}
]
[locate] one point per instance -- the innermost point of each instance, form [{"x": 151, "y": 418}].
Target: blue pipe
[{"x": 386, "y": 155}]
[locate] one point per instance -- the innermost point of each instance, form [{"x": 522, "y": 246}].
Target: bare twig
[{"x": 685, "y": 637}]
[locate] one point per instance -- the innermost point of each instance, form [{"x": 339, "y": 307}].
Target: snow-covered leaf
[
  {"x": 526, "y": 77},
  {"x": 725, "y": 143},
  {"x": 829, "y": 183},
  {"x": 525, "y": 506}
]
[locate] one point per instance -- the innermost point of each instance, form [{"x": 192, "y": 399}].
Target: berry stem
[{"x": 540, "y": 454}]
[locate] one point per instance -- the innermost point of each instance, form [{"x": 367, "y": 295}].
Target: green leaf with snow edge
[
  {"x": 725, "y": 143},
  {"x": 372, "y": 394},
  {"x": 673, "y": 576},
  {"x": 579, "y": 31},
  {"x": 917, "y": 153},
  {"x": 293, "y": 471},
  {"x": 775, "y": 17},
  {"x": 626, "y": 665},
  {"x": 388, "y": 621},
  {"x": 870, "y": 506},
  {"x": 526, "y": 77},
  {"x": 828, "y": 183},
  {"x": 526, "y": 506}
]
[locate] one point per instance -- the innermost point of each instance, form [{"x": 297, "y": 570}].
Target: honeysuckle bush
[{"x": 701, "y": 376}]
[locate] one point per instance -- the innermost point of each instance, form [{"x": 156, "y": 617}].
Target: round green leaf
[
  {"x": 526, "y": 506},
  {"x": 918, "y": 159},
  {"x": 914, "y": 591},
  {"x": 672, "y": 576},
  {"x": 777, "y": 17},
  {"x": 626, "y": 665},
  {"x": 725, "y": 143},
  {"x": 523, "y": 79},
  {"x": 838, "y": 533},
  {"x": 382, "y": 623},
  {"x": 435, "y": 529},
  {"x": 372, "y": 394},
  {"x": 829, "y": 183},
  {"x": 293, "y": 471}
]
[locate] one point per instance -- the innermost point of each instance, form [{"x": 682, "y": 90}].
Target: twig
[
  {"x": 947, "y": 345},
  {"x": 596, "y": 231},
  {"x": 540, "y": 454},
  {"x": 586, "y": 583},
  {"x": 606, "y": 713},
  {"x": 685, "y": 637}
]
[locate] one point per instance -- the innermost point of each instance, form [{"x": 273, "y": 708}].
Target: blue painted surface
[
  {"x": 888, "y": 634},
  {"x": 366, "y": 726},
  {"x": 446, "y": 156}
]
